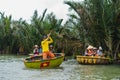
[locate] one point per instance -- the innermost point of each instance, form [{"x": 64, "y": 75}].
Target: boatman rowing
[{"x": 45, "y": 47}]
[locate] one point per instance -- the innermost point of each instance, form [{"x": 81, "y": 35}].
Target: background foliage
[{"x": 94, "y": 22}]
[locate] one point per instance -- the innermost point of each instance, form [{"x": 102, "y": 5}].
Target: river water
[{"x": 12, "y": 68}]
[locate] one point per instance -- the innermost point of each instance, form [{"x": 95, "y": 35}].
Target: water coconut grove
[{"x": 94, "y": 22}]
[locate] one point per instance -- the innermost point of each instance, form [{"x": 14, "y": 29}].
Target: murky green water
[{"x": 12, "y": 68}]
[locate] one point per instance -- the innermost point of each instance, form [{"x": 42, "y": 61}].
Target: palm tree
[
  {"x": 96, "y": 22},
  {"x": 22, "y": 35},
  {"x": 44, "y": 24},
  {"x": 6, "y": 33}
]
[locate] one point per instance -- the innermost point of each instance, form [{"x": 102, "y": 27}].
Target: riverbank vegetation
[{"x": 95, "y": 22}]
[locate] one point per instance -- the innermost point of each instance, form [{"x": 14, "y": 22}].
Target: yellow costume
[
  {"x": 45, "y": 48},
  {"x": 45, "y": 44}
]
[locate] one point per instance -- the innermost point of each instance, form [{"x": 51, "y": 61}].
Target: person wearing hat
[
  {"x": 89, "y": 51},
  {"x": 52, "y": 48},
  {"x": 45, "y": 47},
  {"x": 35, "y": 50},
  {"x": 95, "y": 51},
  {"x": 99, "y": 51}
]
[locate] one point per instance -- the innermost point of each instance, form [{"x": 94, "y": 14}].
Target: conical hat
[
  {"x": 100, "y": 48},
  {"x": 94, "y": 48},
  {"x": 89, "y": 47},
  {"x": 36, "y": 46}
]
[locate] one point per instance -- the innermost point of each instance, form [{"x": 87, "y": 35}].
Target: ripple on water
[{"x": 12, "y": 68}]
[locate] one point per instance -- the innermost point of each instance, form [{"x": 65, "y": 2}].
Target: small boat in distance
[
  {"x": 93, "y": 60},
  {"x": 37, "y": 62}
]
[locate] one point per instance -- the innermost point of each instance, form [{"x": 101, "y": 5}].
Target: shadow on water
[{"x": 12, "y": 68}]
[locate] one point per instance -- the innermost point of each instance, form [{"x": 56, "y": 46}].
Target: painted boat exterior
[
  {"x": 44, "y": 64},
  {"x": 93, "y": 60}
]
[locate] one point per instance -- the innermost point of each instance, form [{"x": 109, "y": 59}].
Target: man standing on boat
[{"x": 45, "y": 47}]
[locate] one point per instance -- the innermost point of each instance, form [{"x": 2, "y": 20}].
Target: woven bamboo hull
[
  {"x": 37, "y": 62},
  {"x": 93, "y": 60}
]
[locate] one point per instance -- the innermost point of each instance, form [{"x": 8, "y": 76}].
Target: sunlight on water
[{"x": 12, "y": 68}]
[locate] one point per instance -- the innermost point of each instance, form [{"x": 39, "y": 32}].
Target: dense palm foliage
[
  {"x": 94, "y": 22},
  {"x": 19, "y": 36},
  {"x": 97, "y": 23}
]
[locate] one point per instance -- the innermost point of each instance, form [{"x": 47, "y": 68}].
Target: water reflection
[{"x": 12, "y": 68}]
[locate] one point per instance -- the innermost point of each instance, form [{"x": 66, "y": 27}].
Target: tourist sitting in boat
[
  {"x": 45, "y": 47},
  {"x": 35, "y": 50},
  {"x": 99, "y": 51},
  {"x": 40, "y": 50},
  {"x": 95, "y": 51},
  {"x": 52, "y": 49},
  {"x": 89, "y": 51}
]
